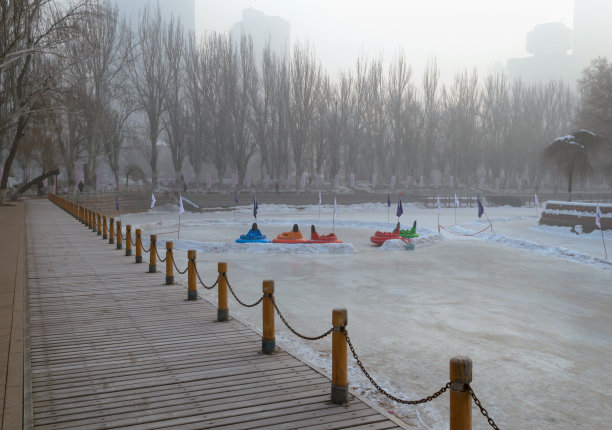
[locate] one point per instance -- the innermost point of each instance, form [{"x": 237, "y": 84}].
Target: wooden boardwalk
[{"x": 112, "y": 347}]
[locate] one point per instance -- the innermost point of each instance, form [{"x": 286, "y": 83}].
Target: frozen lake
[{"x": 530, "y": 305}]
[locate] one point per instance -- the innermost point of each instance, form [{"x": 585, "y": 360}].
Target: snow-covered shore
[{"x": 529, "y": 304}]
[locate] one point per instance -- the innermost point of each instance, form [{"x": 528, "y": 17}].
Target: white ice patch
[
  {"x": 536, "y": 248},
  {"x": 259, "y": 248}
]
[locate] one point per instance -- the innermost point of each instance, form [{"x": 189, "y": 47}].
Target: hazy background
[{"x": 481, "y": 33}]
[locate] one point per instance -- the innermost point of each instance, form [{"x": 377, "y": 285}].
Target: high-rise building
[
  {"x": 550, "y": 43},
  {"x": 182, "y": 9},
  {"x": 263, "y": 29}
]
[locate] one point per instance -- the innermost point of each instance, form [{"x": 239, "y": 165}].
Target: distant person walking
[{"x": 81, "y": 186}]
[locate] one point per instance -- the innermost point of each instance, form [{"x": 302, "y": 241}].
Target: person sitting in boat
[
  {"x": 253, "y": 234},
  {"x": 315, "y": 236},
  {"x": 413, "y": 229},
  {"x": 293, "y": 234}
]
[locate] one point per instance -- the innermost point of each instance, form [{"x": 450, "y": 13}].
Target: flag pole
[
  {"x": 490, "y": 223},
  {"x": 604, "y": 243}
]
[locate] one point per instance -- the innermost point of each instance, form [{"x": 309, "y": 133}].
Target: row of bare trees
[{"x": 78, "y": 85}]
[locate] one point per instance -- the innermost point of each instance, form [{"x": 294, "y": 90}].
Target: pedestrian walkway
[
  {"x": 112, "y": 346},
  {"x": 12, "y": 244}
]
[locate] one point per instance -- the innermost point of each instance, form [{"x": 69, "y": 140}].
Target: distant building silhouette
[
  {"x": 183, "y": 9},
  {"x": 263, "y": 29},
  {"x": 549, "y": 44}
]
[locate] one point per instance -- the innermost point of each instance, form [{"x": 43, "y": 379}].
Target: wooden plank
[{"x": 112, "y": 346}]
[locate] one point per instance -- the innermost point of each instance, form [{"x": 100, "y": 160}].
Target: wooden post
[
  {"x": 222, "y": 308},
  {"x": 94, "y": 225},
  {"x": 99, "y": 230},
  {"x": 169, "y": 268},
  {"x": 104, "y": 228},
  {"x": 138, "y": 246},
  {"x": 460, "y": 399},
  {"x": 111, "y": 233},
  {"x": 128, "y": 240},
  {"x": 119, "y": 238},
  {"x": 268, "y": 341},
  {"x": 90, "y": 219},
  {"x": 339, "y": 383},
  {"x": 153, "y": 254},
  {"x": 192, "y": 289}
]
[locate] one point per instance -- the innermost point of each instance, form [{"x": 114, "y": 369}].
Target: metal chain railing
[
  {"x": 391, "y": 396},
  {"x": 146, "y": 250},
  {"x": 177, "y": 269},
  {"x": 158, "y": 256},
  {"x": 293, "y": 330},
  {"x": 483, "y": 411},
  {"x": 236, "y": 297},
  {"x": 202, "y": 282}
]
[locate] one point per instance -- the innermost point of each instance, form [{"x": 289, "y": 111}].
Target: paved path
[
  {"x": 12, "y": 232},
  {"x": 111, "y": 346}
]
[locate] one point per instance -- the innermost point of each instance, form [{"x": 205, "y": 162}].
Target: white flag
[
  {"x": 152, "y": 200},
  {"x": 319, "y": 198},
  {"x": 181, "y": 209},
  {"x": 438, "y": 204},
  {"x": 335, "y": 208},
  {"x": 598, "y": 216},
  {"x": 535, "y": 196},
  {"x": 456, "y": 200}
]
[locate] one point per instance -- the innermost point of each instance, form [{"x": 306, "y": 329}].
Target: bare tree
[
  {"x": 150, "y": 76},
  {"x": 176, "y": 114},
  {"x": 242, "y": 144},
  {"x": 306, "y": 93},
  {"x": 30, "y": 32}
]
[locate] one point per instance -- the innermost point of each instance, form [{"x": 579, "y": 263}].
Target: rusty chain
[
  {"x": 158, "y": 257},
  {"x": 146, "y": 250},
  {"x": 483, "y": 411},
  {"x": 202, "y": 282},
  {"x": 382, "y": 391},
  {"x": 177, "y": 269},
  {"x": 293, "y": 330},
  {"x": 236, "y": 297}
]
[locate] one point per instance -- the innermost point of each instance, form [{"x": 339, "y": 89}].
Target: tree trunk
[{"x": 36, "y": 180}]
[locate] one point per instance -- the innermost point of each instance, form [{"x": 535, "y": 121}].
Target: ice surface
[{"x": 531, "y": 305}]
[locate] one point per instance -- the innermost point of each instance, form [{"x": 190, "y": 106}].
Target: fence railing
[{"x": 460, "y": 367}]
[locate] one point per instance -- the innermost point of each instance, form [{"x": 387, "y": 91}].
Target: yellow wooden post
[
  {"x": 89, "y": 218},
  {"x": 94, "y": 224},
  {"x": 222, "y": 308},
  {"x": 104, "y": 228},
  {"x": 119, "y": 238},
  {"x": 111, "y": 233},
  {"x": 138, "y": 246},
  {"x": 192, "y": 289},
  {"x": 268, "y": 340},
  {"x": 339, "y": 383},
  {"x": 460, "y": 398},
  {"x": 169, "y": 268},
  {"x": 128, "y": 240},
  {"x": 99, "y": 224},
  {"x": 153, "y": 254}
]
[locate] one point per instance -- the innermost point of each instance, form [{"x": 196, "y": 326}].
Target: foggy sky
[{"x": 459, "y": 33}]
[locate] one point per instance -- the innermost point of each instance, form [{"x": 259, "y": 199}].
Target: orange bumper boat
[{"x": 293, "y": 236}]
